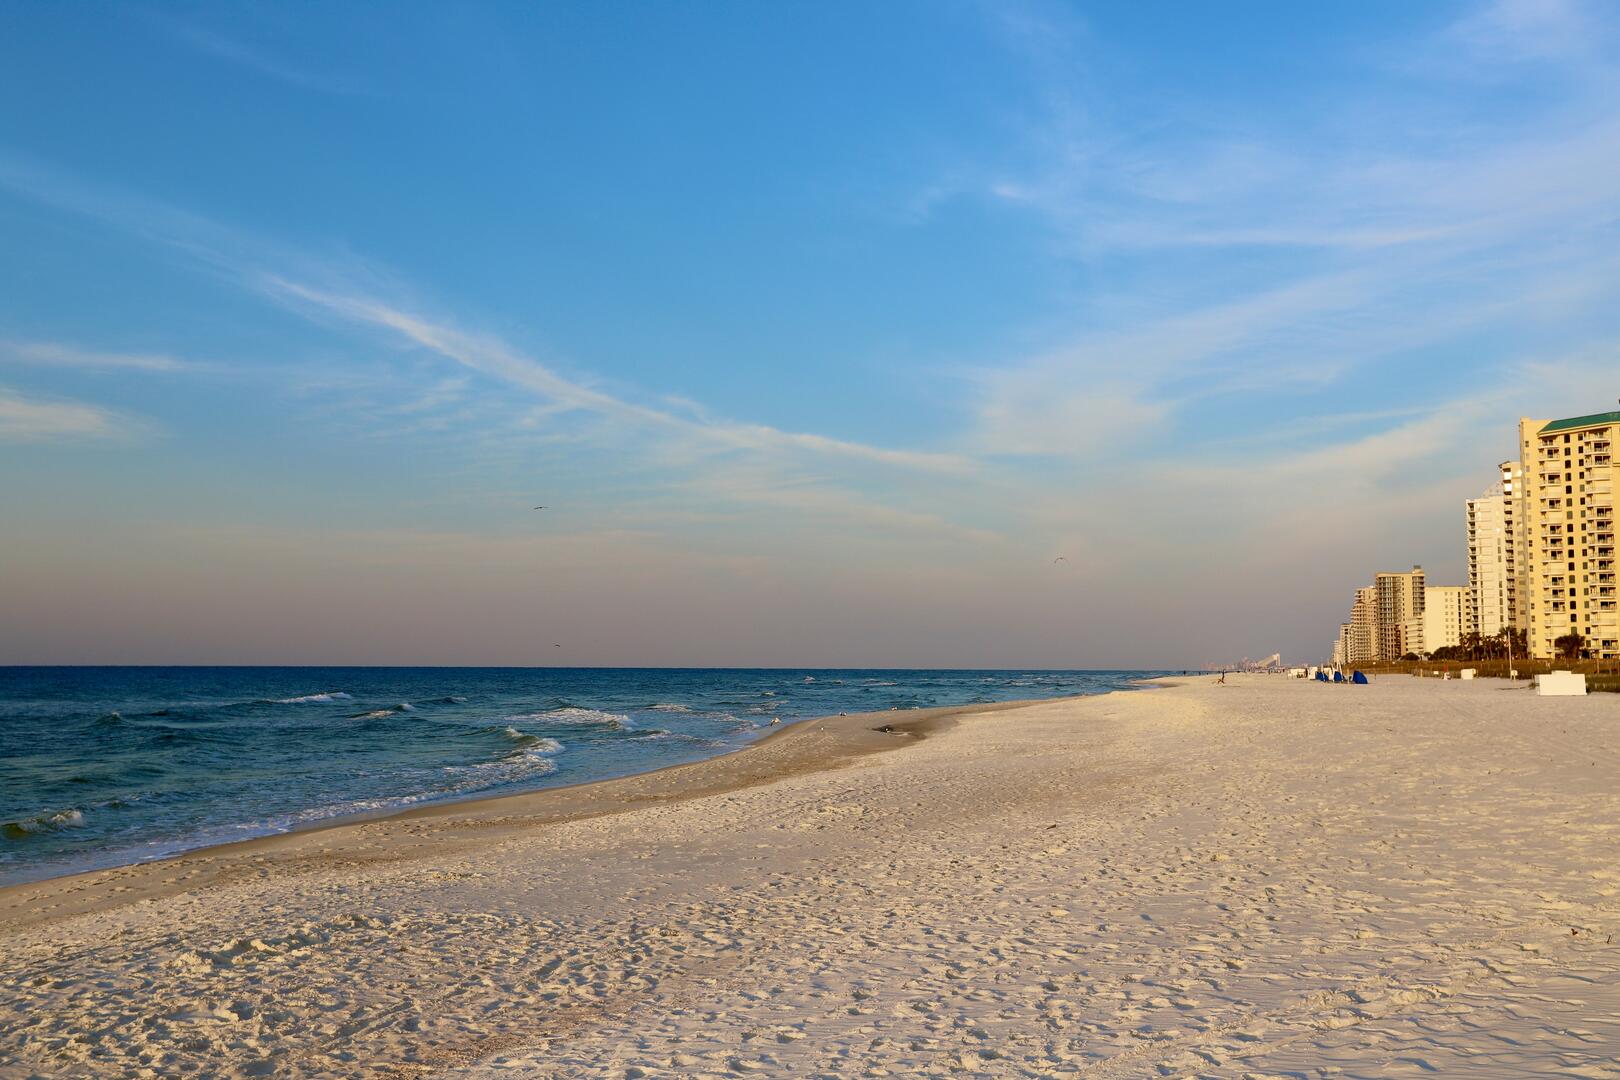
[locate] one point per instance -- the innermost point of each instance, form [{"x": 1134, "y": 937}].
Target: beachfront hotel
[
  {"x": 1494, "y": 557},
  {"x": 1541, "y": 559},
  {"x": 1400, "y": 597},
  {"x": 1448, "y": 615},
  {"x": 1567, "y": 524}
]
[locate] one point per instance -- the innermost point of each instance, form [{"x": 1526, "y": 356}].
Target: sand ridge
[{"x": 1270, "y": 878}]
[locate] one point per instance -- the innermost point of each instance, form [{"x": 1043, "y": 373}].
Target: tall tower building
[
  {"x": 1490, "y": 563},
  {"x": 1361, "y": 640},
  {"x": 1515, "y": 526},
  {"x": 1400, "y": 612},
  {"x": 1568, "y": 482}
]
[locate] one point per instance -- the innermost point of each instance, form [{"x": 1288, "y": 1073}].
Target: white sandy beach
[{"x": 1271, "y": 878}]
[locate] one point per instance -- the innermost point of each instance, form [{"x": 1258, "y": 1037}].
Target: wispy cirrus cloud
[
  {"x": 347, "y": 290},
  {"x": 27, "y": 419},
  {"x": 493, "y": 357},
  {"x": 56, "y": 354},
  {"x": 1270, "y": 259},
  {"x": 253, "y": 58}
]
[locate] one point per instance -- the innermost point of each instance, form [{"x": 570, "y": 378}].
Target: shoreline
[{"x": 790, "y": 751}]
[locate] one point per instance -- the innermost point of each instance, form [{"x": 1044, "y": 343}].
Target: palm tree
[{"x": 1569, "y": 646}]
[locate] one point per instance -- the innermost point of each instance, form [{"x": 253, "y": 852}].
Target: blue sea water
[{"x": 106, "y": 766}]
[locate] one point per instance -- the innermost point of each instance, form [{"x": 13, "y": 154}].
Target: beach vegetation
[{"x": 1570, "y": 645}]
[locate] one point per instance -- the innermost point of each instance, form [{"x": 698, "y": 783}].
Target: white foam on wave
[
  {"x": 525, "y": 762},
  {"x": 666, "y": 707},
  {"x": 48, "y": 821},
  {"x": 311, "y": 699},
  {"x": 532, "y": 744},
  {"x": 573, "y": 714}
]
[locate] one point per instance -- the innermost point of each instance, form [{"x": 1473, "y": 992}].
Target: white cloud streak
[
  {"x": 53, "y": 354},
  {"x": 30, "y": 420}
]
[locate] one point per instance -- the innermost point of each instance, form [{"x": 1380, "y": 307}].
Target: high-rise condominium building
[
  {"x": 1400, "y": 613},
  {"x": 1490, "y": 562},
  {"x": 1448, "y": 614},
  {"x": 1515, "y": 515},
  {"x": 1361, "y": 639},
  {"x": 1568, "y": 526}
]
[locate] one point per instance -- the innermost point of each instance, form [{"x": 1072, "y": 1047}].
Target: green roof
[{"x": 1583, "y": 421}]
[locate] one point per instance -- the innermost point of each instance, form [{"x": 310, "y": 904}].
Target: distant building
[
  {"x": 1361, "y": 640},
  {"x": 1490, "y": 563},
  {"x": 1515, "y": 518},
  {"x": 1448, "y": 615},
  {"x": 1568, "y": 529},
  {"x": 1400, "y": 612},
  {"x": 1341, "y": 646}
]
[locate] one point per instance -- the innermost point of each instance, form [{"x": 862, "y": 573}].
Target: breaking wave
[
  {"x": 378, "y": 714},
  {"x": 48, "y": 821},
  {"x": 573, "y": 714},
  {"x": 313, "y": 699}
]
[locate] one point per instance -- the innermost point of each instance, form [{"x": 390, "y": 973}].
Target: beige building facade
[
  {"x": 1569, "y": 532},
  {"x": 1361, "y": 635},
  {"x": 1400, "y": 612},
  {"x": 1448, "y": 615}
]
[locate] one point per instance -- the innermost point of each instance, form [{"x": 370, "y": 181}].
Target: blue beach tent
[
  {"x": 1338, "y": 676},
  {"x": 1321, "y": 676},
  {"x": 1358, "y": 677}
]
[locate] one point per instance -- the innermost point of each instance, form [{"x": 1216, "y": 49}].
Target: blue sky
[{"x": 823, "y": 329}]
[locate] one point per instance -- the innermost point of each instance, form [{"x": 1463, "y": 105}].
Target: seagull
[
  {"x": 1059, "y": 559},
  {"x": 554, "y": 645},
  {"x": 539, "y": 508}
]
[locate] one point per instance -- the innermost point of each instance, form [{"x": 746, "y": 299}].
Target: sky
[{"x": 938, "y": 334}]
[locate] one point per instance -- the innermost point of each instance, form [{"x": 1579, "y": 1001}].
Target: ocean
[{"x": 107, "y": 766}]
